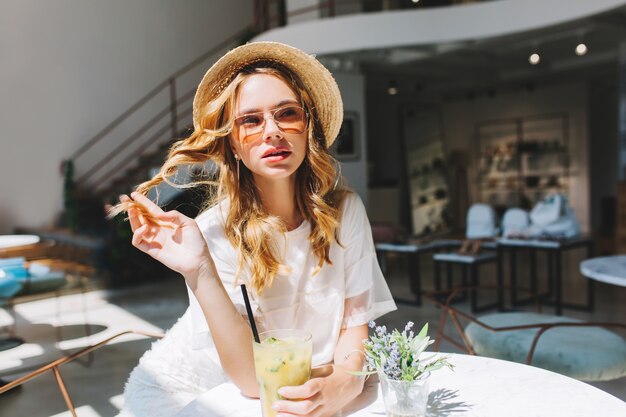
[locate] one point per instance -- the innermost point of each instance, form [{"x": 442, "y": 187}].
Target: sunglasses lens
[
  {"x": 290, "y": 119},
  {"x": 249, "y": 125}
]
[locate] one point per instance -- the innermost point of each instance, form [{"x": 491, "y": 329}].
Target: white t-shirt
[{"x": 348, "y": 293}]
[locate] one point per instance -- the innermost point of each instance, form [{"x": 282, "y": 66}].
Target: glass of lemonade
[{"x": 283, "y": 358}]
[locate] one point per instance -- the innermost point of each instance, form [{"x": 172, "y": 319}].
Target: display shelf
[{"x": 526, "y": 156}]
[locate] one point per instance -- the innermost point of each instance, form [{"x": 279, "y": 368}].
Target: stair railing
[
  {"x": 267, "y": 14},
  {"x": 172, "y": 111}
]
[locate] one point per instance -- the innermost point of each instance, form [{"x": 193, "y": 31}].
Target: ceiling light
[
  {"x": 415, "y": 1},
  {"x": 581, "y": 49},
  {"x": 392, "y": 89},
  {"x": 534, "y": 59}
]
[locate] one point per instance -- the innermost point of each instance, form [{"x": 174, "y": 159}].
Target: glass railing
[{"x": 276, "y": 13}]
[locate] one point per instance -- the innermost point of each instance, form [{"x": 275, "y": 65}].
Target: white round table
[
  {"x": 607, "y": 269},
  {"x": 478, "y": 387},
  {"x": 15, "y": 241}
]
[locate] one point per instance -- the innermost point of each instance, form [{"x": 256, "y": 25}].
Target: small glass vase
[{"x": 405, "y": 398}]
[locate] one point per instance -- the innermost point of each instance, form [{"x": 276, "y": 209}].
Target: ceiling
[{"x": 460, "y": 68}]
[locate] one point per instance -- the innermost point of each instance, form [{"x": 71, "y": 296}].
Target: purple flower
[{"x": 394, "y": 354}]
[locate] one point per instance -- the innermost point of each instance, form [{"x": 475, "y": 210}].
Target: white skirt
[{"x": 170, "y": 375}]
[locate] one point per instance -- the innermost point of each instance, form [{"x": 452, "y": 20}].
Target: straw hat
[{"x": 316, "y": 78}]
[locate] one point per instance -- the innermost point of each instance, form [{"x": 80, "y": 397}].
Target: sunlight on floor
[{"x": 41, "y": 322}]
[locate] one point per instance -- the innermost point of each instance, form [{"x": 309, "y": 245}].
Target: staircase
[{"x": 112, "y": 163}]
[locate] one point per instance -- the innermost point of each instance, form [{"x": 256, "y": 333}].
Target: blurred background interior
[{"x": 448, "y": 103}]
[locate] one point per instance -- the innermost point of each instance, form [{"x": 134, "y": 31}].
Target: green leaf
[
  {"x": 433, "y": 367},
  {"x": 422, "y": 334},
  {"x": 409, "y": 366}
]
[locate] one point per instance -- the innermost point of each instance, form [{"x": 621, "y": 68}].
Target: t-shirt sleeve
[
  {"x": 226, "y": 263},
  {"x": 367, "y": 295}
]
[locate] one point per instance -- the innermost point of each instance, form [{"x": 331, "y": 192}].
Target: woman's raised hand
[{"x": 169, "y": 237}]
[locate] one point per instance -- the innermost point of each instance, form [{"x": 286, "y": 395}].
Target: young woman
[{"x": 266, "y": 114}]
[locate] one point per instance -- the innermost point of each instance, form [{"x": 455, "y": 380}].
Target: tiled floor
[{"x": 96, "y": 388}]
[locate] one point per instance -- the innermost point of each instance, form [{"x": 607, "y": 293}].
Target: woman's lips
[{"x": 277, "y": 156}]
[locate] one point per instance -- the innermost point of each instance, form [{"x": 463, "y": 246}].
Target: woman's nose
[{"x": 271, "y": 129}]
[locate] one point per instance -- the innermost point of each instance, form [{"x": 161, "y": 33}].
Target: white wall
[
  {"x": 69, "y": 67},
  {"x": 352, "y": 88},
  {"x": 460, "y": 118}
]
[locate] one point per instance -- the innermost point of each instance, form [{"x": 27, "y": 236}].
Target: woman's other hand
[
  {"x": 330, "y": 389},
  {"x": 169, "y": 237}
]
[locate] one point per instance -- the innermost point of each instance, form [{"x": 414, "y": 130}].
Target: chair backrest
[
  {"x": 53, "y": 367},
  {"x": 481, "y": 222},
  {"x": 515, "y": 222},
  {"x": 587, "y": 351}
]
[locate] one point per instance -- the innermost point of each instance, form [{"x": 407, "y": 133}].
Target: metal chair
[
  {"x": 55, "y": 365},
  {"x": 481, "y": 228},
  {"x": 587, "y": 351}
]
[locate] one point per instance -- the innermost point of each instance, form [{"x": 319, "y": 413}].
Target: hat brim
[{"x": 318, "y": 81}]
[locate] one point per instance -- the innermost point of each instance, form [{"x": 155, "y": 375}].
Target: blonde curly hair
[{"x": 249, "y": 227}]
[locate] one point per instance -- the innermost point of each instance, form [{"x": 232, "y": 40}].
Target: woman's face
[{"x": 268, "y": 149}]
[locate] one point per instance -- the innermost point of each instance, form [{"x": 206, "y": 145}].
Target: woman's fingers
[
  {"x": 138, "y": 235},
  {"x": 133, "y": 218},
  {"x": 304, "y": 398},
  {"x": 146, "y": 240},
  {"x": 133, "y": 213},
  {"x": 307, "y": 390},
  {"x": 145, "y": 202},
  {"x": 300, "y": 408},
  {"x": 172, "y": 216}
]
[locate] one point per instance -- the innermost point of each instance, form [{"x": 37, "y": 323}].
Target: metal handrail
[
  {"x": 139, "y": 152},
  {"x": 454, "y": 314},
  {"x": 136, "y": 135},
  {"x": 118, "y": 120},
  {"x": 169, "y": 82},
  {"x": 262, "y": 20}
]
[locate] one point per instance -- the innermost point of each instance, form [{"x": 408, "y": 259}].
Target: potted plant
[{"x": 404, "y": 376}]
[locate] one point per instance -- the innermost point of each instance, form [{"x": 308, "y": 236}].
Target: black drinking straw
[{"x": 249, "y": 310}]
